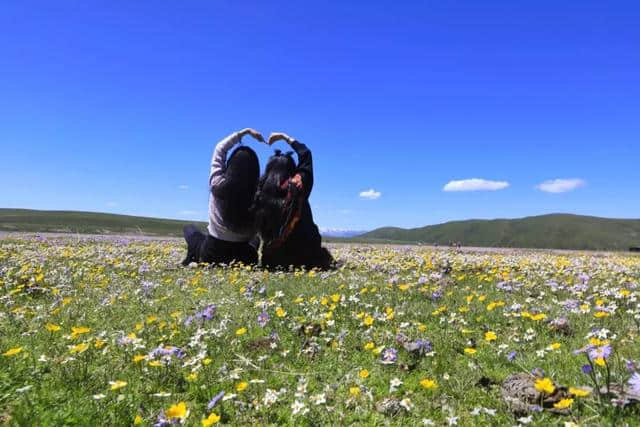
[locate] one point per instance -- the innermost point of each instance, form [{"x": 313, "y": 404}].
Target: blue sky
[{"x": 116, "y": 106}]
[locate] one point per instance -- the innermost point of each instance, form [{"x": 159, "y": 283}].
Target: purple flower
[
  {"x": 389, "y": 356},
  {"x": 584, "y": 349},
  {"x": 538, "y": 372},
  {"x": 263, "y": 319},
  {"x": 634, "y": 383},
  {"x": 586, "y": 369},
  {"x": 424, "y": 346},
  {"x": 536, "y": 408},
  {"x": 208, "y": 312},
  {"x": 511, "y": 356},
  {"x": 600, "y": 352},
  {"x": 215, "y": 400}
]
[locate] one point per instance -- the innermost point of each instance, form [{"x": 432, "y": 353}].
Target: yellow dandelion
[
  {"x": 12, "y": 351},
  {"x": 79, "y": 348},
  {"x": 428, "y": 384},
  {"x": 52, "y": 327},
  {"x": 369, "y": 346},
  {"x": 490, "y": 336},
  {"x": 241, "y": 386},
  {"x": 563, "y": 404},
  {"x": 178, "y": 410},
  {"x": 579, "y": 392},
  {"x": 470, "y": 350},
  {"x": 280, "y": 312},
  {"x": 241, "y": 331},
  {"x": 363, "y": 374},
  {"x": 368, "y": 321},
  {"x": 354, "y": 391},
  {"x": 116, "y": 385},
  {"x": 544, "y": 385},
  {"x": 212, "y": 419}
]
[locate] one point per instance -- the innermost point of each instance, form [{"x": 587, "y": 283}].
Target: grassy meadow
[{"x": 106, "y": 331}]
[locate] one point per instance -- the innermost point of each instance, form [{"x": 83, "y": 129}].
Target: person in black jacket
[{"x": 283, "y": 215}]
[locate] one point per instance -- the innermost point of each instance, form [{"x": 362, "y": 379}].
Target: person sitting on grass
[
  {"x": 284, "y": 221},
  {"x": 232, "y": 187}
]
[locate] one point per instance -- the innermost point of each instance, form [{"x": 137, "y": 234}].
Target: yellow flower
[
  {"x": 137, "y": 420},
  {"x": 99, "y": 343},
  {"x": 403, "y": 287},
  {"x": 12, "y": 351},
  {"x": 212, "y": 419},
  {"x": 369, "y": 345},
  {"x": 599, "y": 361},
  {"x": 490, "y": 336},
  {"x": 544, "y": 385},
  {"x": 600, "y": 314},
  {"x": 335, "y": 297},
  {"x": 578, "y": 392},
  {"x": 377, "y": 350},
  {"x": 139, "y": 358},
  {"x": 555, "y": 346},
  {"x": 540, "y": 316},
  {"x": 563, "y": 404},
  {"x": 177, "y": 411},
  {"x": 79, "y": 348},
  {"x": 79, "y": 331},
  {"x": 51, "y": 327},
  {"x": 241, "y": 386},
  {"x": 470, "y": 350},
  {"x": 241, "y": 331},
  {"x": 115, "y": 385},
  {"x": 368, "y": 321},
  {"x": 280, "y": 312},
  {"x": 155, "y": 363},
  {"x": 428, "y": 384},
  {"x": 192, "y": 377},
  {"x": 206, "y": 361},
  {"x": 354, "y": 391},
  {"x": 363, "y": 374}
]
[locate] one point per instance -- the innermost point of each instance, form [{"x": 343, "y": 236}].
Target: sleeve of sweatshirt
[
  {"x": 219, "y": 159},
  {"x": 305, "y": 165}
]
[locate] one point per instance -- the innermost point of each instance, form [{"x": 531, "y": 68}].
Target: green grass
[{"x": 105, "y": 286}]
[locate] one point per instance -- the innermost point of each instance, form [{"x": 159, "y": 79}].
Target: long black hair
[
  {"x": 236, "y": 193},
  {"x": 270, "y": 199}
]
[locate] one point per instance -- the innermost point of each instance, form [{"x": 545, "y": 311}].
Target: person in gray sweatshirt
[{"x": 232, "y": 185}]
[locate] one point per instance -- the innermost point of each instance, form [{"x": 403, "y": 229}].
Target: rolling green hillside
[
  {"x": 556, "y": 231},
  {"x": 89, "y": 223}
]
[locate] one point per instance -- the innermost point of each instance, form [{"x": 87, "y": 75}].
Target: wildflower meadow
[{"x": 110, "y": 331}]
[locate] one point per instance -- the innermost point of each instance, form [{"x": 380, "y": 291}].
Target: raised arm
[
  {"x": 219, "y": 158},
  {"x": 305, "y": 161}
]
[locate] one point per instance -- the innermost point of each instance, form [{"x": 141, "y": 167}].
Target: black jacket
[{"x": 303, "y": 246}]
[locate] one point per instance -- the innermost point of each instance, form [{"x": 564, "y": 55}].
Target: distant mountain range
[
  {"x": 555, "y": 231},
  {"x": 336, "y": 232}
]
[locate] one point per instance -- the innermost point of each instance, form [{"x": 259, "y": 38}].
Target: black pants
[{"x": 206, "y": 248}]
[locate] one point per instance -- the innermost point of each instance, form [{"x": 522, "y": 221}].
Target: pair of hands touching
[{"x": 274, "y": 137}]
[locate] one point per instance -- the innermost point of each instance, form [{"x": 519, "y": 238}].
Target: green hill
[
  {"x": 89, "y": 223},
  {"x": 555, "y": 231}
]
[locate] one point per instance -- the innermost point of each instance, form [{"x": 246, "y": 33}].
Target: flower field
[{"x": 106, "y": 331}]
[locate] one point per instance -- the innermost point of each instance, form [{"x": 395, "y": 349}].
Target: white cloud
[
  {"x": 370, "y": 194},
  {"x": 112, "y": 204},
  {"x": 183, "y": 187},
  {"x": 475, "y": 184},
  {"x": 561, "y": 185}
]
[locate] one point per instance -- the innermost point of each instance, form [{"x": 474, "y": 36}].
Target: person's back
[
  {"x": 285, "y": 220},
  {"x": 232, "y": 186}
]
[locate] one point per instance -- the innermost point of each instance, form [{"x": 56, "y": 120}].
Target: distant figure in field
[
  {"x": 232, "y": 184},
  {"x": 282, "y": 211}
]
